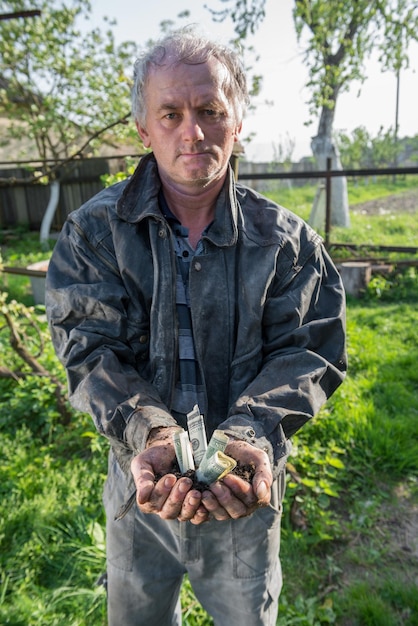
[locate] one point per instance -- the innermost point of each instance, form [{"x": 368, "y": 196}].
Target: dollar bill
[
  {"x": 216, "y": 467},
  {"x": 197, "y": 434},
  {"x": 217, "y": 443},
  {"x": 183, "y": 451}
]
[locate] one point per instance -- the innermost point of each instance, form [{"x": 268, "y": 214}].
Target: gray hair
[{"x": 186, "y": 45}]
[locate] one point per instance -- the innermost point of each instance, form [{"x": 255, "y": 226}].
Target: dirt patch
[
  {"x": 406, "y": 202},
  {"x": 392, "y": 538},
  {"x": 401, "y": 525}
]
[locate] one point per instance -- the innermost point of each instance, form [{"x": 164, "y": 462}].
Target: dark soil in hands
[{"x": 244, "y": 471}]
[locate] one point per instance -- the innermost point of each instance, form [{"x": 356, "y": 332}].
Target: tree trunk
[
  {"x": 49, "y": 213},
  {"x": 324, "y": 147}
]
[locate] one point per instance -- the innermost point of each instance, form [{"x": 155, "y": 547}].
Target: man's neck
[{"x": 195, "y": 211}]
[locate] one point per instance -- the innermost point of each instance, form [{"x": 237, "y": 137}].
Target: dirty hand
[
  {"x": 233, "y": 497},
  {"x": 168, "y": 497}
]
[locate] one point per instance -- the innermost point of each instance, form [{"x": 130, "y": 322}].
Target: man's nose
[{"x": 192, "y": 130}]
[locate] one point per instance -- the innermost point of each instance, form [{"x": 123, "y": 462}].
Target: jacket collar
[{"x": 139, "y": 200}]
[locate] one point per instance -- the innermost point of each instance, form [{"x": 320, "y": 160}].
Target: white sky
[{"x": 284, "y": 75}]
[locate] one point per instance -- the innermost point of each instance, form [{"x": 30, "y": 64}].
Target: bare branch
[
  {"x": 50, "y": 172},
  {"x": 19, "y": 14},
  {"x": 17, "y": 343}
]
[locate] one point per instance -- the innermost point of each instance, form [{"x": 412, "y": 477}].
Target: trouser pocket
[{"x": 119, "y": 533}]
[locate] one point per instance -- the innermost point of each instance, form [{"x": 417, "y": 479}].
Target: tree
[
  {"x": 64, "y": 91},
  {"x": 341, "y": 36},
  {"x": 354, "y": 149},
  {"x": 361, "y": 150},
  {"x": 246, "y": 15}
]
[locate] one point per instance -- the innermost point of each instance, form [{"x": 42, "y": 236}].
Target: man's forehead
[{"x": 210, "y": 67}]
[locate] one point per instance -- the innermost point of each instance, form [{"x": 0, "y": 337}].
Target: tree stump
[
  {"x": 38, "y": 281},
  {"x": 355, "y": 276}
]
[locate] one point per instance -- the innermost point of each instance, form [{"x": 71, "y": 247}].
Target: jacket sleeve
[
  {"x": 304, "y": 356},
  {"x": 87, "y": 313}
]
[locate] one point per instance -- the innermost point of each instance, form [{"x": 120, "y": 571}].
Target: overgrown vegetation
[
  {"x": 52, "y": 100},
  {"x": 351, "y": 507}
]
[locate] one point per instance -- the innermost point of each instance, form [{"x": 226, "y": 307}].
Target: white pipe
[{"x": 50, "y": 212}]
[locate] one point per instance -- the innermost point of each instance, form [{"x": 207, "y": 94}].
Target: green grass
[
  {"x": 299, "y": 197},
  {"x": 352, "y": 482},
  {"x": 380, "y": 229},
  {"x": 349, "y": 558},
  {"x": 371, "y": 188}
]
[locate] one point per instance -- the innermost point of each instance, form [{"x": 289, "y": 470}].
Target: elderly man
[{"x": 181, "y": 287}]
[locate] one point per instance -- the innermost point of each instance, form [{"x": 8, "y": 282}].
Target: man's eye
[
  {"x": 171, "y": 116},
  {"x": 215, "y": 115}
]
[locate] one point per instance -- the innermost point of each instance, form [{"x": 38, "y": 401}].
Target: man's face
[{"x": 190, "y": 124}]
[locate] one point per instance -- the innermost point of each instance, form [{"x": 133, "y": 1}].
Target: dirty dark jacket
[{"x": 267, "y": 308}]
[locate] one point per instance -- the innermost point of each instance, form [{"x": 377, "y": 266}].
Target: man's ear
[
  {"x": 144, "y": 135},
  {"x": 237, "y": 132}
]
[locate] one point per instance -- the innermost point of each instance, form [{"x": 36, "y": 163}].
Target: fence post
[{"x": 328, "y": 202}]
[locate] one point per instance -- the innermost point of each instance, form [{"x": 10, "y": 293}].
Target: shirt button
[
  {"x": 250, "y": 432},
  {"x": 161, "y": 232},
  {"x": 197, "y": 266},
  {"x": 143, "y": 339}
]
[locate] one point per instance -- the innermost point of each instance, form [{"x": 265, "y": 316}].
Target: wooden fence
[{"x": 24, "y": 203}]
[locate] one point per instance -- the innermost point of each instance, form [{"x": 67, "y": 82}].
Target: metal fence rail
[
  {"x": 22, "y": 202},
  {"x": 327, "y": 175}
]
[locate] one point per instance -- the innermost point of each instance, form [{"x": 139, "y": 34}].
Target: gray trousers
[{"x": 233, "y": 566}]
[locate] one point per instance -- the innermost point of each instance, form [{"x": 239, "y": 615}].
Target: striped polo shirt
[{"x": 189, "y": 389}]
